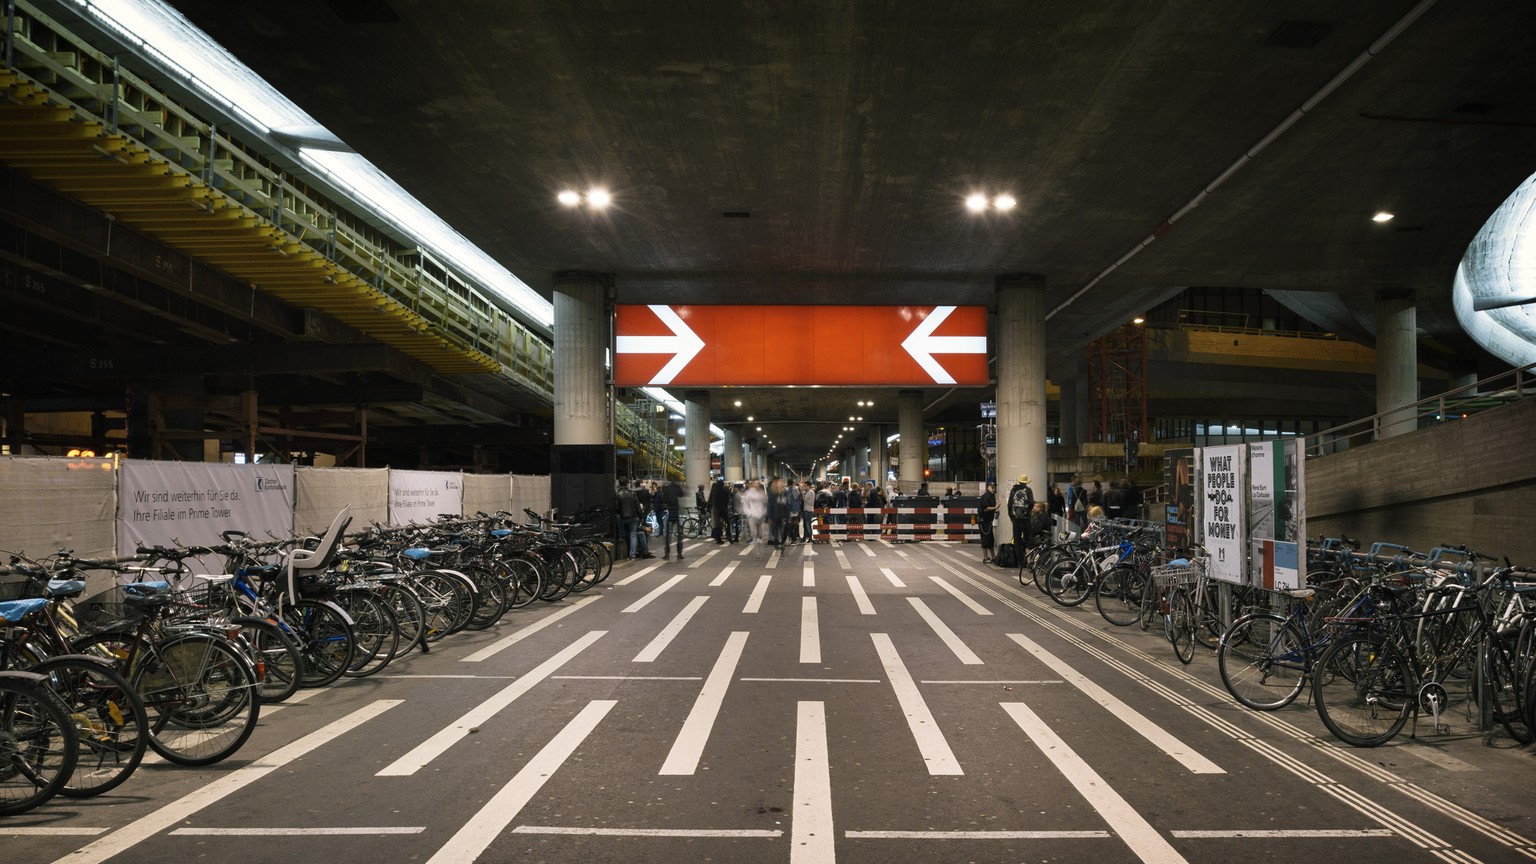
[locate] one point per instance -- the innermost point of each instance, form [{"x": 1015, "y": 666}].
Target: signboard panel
[
  {"x": 1223, "y": 511},
  {"x": 660, "y": 345},
  {"x": 422, "y": 496},
  {"x": 189, "y": 503}
]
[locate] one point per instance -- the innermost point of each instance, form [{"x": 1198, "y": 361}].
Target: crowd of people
[{"x": 783, "y": 512}]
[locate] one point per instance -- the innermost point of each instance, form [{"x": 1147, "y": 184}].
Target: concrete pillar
[
  {"x": 879, "y": 456},
  {"x": 731, "y": 455},
  {"x": 759, "y": 460},
  {"x": 821, "y": 470},
  {"x": 861, "y": 458},
  {"x": 1397, "y": 360},
  {"x": 696, "y": 457},
  {"x": 1021, "y": 406},
  {"x": 914, "y": 444},
  {"x": 581, "y": 341}
]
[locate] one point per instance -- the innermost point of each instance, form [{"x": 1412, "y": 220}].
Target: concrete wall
[{"x": 1470, "y": 481}]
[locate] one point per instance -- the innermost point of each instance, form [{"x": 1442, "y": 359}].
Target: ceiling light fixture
[
  {"x": 1383, "y": 216},
  {"x": 1004, "y": 203},
  {"x": 976, "y": 203},
  {"x": 598, "y": 197},
  {"x": 738, "y": 403},
  {"x": 569, "y": 198}
]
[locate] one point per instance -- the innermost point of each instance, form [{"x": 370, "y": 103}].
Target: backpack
[
  {"x": 1007, "y": 556},
  {"x": 1020, "y": 502}
]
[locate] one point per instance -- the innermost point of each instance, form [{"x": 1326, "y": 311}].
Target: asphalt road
[{"x": 868, "y": 703}]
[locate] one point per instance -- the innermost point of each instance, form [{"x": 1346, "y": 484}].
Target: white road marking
[
  {"x": 669, "y": 632},
  {"x": 438, "y": 744},
  {"x": 628, "y": 579},
  {"x": 705, "y": 557},
  {"x": 655, "y": 592},
  {"x": 724, "y": 575},
  {"x": 264, "y": 710},
  {"x": 626, "y": 678},
  {"x": 51, "y": 831},
  {"x": 810, "y": 632},
  {"x": 886, "y": 543},
  {"x": 808, "y": 576},
  {"x": 811, "y": 828},
  {"x": 867, "y": 551},
  {"x": 773, "y": 560},
  {"x": 500, "y": 645},
  {"x": 1143, "y": 839},
  {"x": 688, "y": 749},
  {"x": 977, "y": 835},
  {"x": 842, "y": 560},
  {"x": 917, "y": 563},
  {"x": 940, "y": 629},
  {"x": 217, "y": 788},
  {"x": 930, "y": 741},
  {"x": 745, "y": 549},
  {"x": 1157, "y": 735},
  {"x": 296, "y": 698},
  {"x": 961, "y": 596},
  {"x": 812, "y": 681},
  {"x": 859, "y": 596},
  {"x": 747, "y": 834},
  {"x": 1431, "y": 754},
  {"x": 1305, "y": 833},
  {"x": 755, "y": 599},
  {"x": 485, "y": 826},
  {"x": 895, "y": 580},
  {"x": 291, "y": 832},
  {"x": 1031, "y": 681}
]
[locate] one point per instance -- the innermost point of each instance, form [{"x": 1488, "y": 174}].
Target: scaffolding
[{"x": 1117, "y": 368}]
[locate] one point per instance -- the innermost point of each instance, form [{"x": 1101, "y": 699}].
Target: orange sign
[{"x": 775, "y": 345}]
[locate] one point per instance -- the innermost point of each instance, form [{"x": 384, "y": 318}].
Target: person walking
[
  {"x": 720, "y": 509},
  {"x": 986, "y": 511},
  {"x": 754, "y": 506},
  {"x": 629, "y": 519},
  {"x": 807, "y": 512},
  {"x": 1021, "y": 503},
  {"x": 669, "y": 510}
]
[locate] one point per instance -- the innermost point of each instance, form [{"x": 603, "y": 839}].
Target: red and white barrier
[{"x": 869, "y": 523}]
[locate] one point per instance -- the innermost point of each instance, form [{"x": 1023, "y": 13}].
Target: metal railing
[
  {"x": 1459, "y": 403},
  {"x": 93, "y": 85}
]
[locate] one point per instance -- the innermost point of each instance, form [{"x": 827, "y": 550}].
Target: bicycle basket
[
  {"x": 1169, "y": 575},
  {"x": 106, "y": 611},
  {"x": 19, "y": 588}
]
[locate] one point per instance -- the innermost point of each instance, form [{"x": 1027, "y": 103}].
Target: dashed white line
[
  {"x": 435, "y": 746},
  {"x": 655, "y": 592},
  {"x": 1137, "y": 833},
  {"x": 485, "y": 826},
  {"x": 811, "y": 827},
  {"x": 628, "y": 579},
  {"x": 859, "y": 596},
  {"x": 167, "y": 815},
  {"x": 1299, "y": 833},
  {"x": 705, "y": 557},
  {"x": 867, "y": 551},
  {"x": 895, "y": 580},
  {"x": 669, "y": 632},
  {"x": 960, "y": 649},
  {"x": 937, "y": 756},
  {"x": 808, "y": 576},
  {"x": 842, "y": 560},
  {"x": 254, "y": 831},
  {"x": 773, "y": 560},
  {"x": 688, "y": 749},
  {"x": 746, "y": 834},
  {"x": 961, "y": 596},
  {"x": 724, "y": 575},
  {"x": 810, "y": 631},
  {"x": 755, "y": 599},
  {"x": 977, "y": 835}
]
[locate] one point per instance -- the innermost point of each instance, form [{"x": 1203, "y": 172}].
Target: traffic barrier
[{"x": 912, "y": 524}]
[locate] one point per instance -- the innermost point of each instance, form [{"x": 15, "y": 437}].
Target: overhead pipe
[{"x": 1333, "y": 84}]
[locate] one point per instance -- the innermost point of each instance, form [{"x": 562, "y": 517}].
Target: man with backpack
[{"x": 1021, "y": 503}]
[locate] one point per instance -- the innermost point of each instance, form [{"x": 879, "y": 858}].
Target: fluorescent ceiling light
[
  {"x": 167, "y": 39},
  {"x": 976, "y": 203},
  {"x": 1004, "y": 202},
  {"x": 1382, "y": 216}
]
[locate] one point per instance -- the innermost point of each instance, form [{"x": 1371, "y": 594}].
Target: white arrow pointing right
[
  {"x": 683, "y": 344},
  {"x": 922, "y": 345}
]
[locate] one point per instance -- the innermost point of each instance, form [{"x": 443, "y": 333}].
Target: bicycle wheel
[
  {"x": 1363, "y": 690},
  {"x": 605, "y": 557},
  {"x": 490, "y": 597},
  {"x": 279, "y": 662},
  {"x": 1503, "y": 680},
  {"x": 375, "y": 628},
  {"x": 38, "y": 742},
  {"x": 410, "y": 615},
  {"x": 1263, "y": 660},
  {"x": 325, "y": 639},
  {"x": 1208, "y": 628},
  {"x": 1119, "y": 596},
  {"x": 200, "y": 695},
  {"x": 525, "y": 581},
  {"x": 109, "y": 719},
  {"x": 1181, "y": 625},
  {"x": 1069, "y": 582}
]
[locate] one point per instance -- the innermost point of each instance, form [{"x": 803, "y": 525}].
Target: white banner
[
  {"x": 52, "y": 503},
  {"x": 1224, "y": 493},
  {"x": 189, "y": 503},
  {"x": 421, "y": 496}
]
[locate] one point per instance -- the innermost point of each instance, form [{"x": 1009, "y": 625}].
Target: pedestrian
[
  {"x": 630, "y": 516},
  {"x": 986, "y": 511},
  {"x": 1021, "y": 502},
  {"x": 669, "y": 505},
  {"x": 720, "y": 510},
  {"x": 855, "y": 502},
  {"x": 754, "y": 507},
  {"x": 807, "y": 512}
]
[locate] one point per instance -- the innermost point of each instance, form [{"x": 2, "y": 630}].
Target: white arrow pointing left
[
  {"x": 683, "y": 344},
  {"x": 922, "y": 345}
]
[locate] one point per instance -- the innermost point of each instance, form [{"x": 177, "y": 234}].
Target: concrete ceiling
[{"x": 850, "y": 132}]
